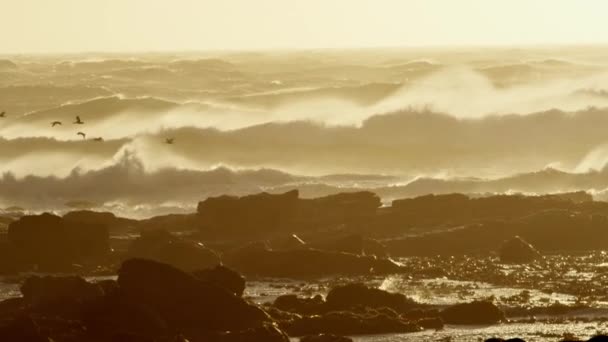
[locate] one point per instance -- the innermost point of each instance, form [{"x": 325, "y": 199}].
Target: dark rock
[
  {"x": 306, "y": 263},
  {"x": 266, "y": 333},
  {"x": 118, "y": 315},
  {"x": 347, "y": 296},
  {"x": 165, "y": 247},
  {"x": 305, "y": 306},
  {"x": 354, "y": 244},
  {"x": 22, "y": 329},
  {"x": 223, "y": 277},
  {"x": 478, "y": 312},
  {"x": 348, "y": 323},
  {"x": 516, "y": 250},
  {"x": 247, "y": 216},
  {"x": 325, "y": 338},
  {"x": 187, "y": 304},
  {"x": 107, "y": 219},
  {"x": 50, "y": 290},
  {"x": 431, "y": 323},
  {"x": 54, "y": 244}
]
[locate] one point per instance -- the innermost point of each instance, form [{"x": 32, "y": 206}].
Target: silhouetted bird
[
  {"x": 98, "y": 139},
  {"x": 169, "y": 141},
  {"x": 55, "y": 123},
  {"x": 3, "y": 115},
  {"x": 83, "y": 135},
  {"x": 78, "y": 121}
]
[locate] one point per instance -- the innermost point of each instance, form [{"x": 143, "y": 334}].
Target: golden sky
[{"x": 136, "y": 25}]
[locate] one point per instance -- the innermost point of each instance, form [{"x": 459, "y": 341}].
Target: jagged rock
[
  {"x": 164, "y": 247},
  {"x": 184, "y": 302},
  {"x": 477, "y": 312},
  {"x": 223, "y": 277},
  {"x": 516, "y": 250}
]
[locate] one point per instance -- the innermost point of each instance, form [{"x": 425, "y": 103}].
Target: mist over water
[{"x": 431, "y": 117}]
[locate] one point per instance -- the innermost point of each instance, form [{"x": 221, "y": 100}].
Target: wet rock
[
  {"x": 347, "y": 296},
  {"x": 184, "y": 302},
  {"x": 223, "y": 277},
  {"x": 306, "y": 263},
  {"x": 165, "y": 247},
  {"x": 516, "y": 250},
  {"x": 54, "y": 244},
  {"x": 300, "y": 305},
  {"x": 325, "y": 338},
  {"x": 348, "y": 323},
  {"x": 477, "y": 312}
]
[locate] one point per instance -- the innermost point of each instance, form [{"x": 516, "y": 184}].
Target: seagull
[
  {"x": 3, "y": 115},
  {"x": 169, "y": 141},
  {"x": 55, "y": 123},
  {"x": 98, "y": 139},
  {"x": 78, "y": 121},
  {"x": 83, "y": 135}
]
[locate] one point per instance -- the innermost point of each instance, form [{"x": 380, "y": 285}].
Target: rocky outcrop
[
  {"x": 51, "y": 243},
  {"x": 162, "y": 246},
  {"x": 247, "y": 216},
  {"x": 263, "y": 215},
  {"x": 478, "y": 312},
  {"x": 150, "y": 301},
  {"x": 516, "y": 250}
]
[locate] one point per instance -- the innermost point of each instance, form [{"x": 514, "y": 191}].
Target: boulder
[
  {"x": 165, "y": 247},
  {"x": 54, "y": 244},
  {"x": 348, "y": 296},
  {"x": 477, "y": 312},
  {"x": 223, "y": 277},
  {"x": 185, "y": 303},
  {"x": 325, "y": 338},
  {"x": 516, "y": 250}
]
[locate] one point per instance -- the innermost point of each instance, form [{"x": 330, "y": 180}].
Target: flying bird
[
  {"x": 169, "y": 141},
  {"x": 78, "y": 121},
  {"x": 3, "y": 115},
  {"x": 55, "y": 123},
  {"x": 98, "y": 139},
  {"x": 82, "y": 134}
]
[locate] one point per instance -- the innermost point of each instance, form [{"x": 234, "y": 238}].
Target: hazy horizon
[{"x": 68, "y": 26}]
